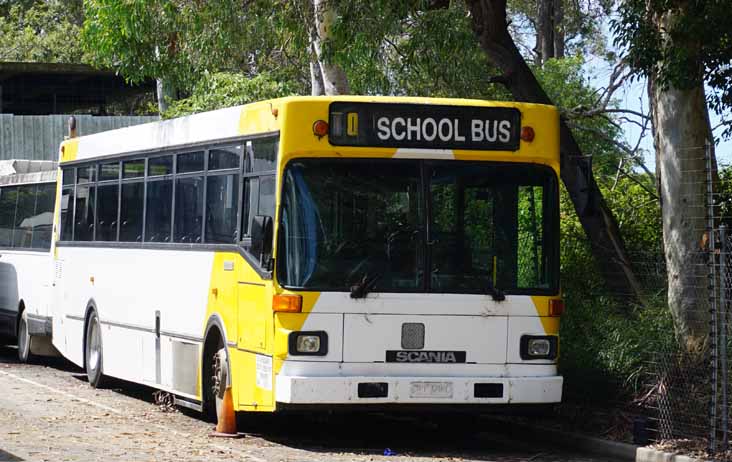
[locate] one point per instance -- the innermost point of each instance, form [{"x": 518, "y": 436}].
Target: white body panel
[
  {"x": 127, "y": 287},
  {"x": 362, "y": 330},
  {"x": 25, "y": 276}
]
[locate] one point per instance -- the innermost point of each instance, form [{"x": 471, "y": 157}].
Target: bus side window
[
  {"x": 84, "y": 216},
  {"x": 221, "y": 206},
  {"x": 24, "y": 216},
  {"x": 107, "y": 202},
  {"x": 188, "y": 209},
  {"x": 130, "y": 217},
  {"x": 67, "y": 213},
  {"x": 43, "y": 219},
  {"x": 8, "y": 199},
  {"x": 159, "y": 210}
]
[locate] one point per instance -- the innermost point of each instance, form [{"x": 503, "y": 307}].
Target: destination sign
[{"x": 424, "y": 126}]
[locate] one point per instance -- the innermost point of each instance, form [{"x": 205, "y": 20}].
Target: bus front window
[
  {"x": 416, "y": 226},
  {"x": 344, "y": 222}
]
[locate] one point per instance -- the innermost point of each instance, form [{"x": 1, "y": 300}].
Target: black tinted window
[
  {"x": 190, "y": 162},
  {"x": 266, "y": 196},
  {"x": 159, "y": 207},
  {"x": 68, "y": 176},
  {"x": 265, "y": 154},
  {"x": 43, "y": 219},
  {"x": 162, "y": 165},
  {"x": 130, "y": 219},
  {"x": 24, "y": 216},
  {"x": 224, "y": 157},
  {"x": 8, "y": 199},
  {"x": 109, "y": 171},
  {"x": 107, "y": 212},
  {"x": 84, "y": 219},
  {"x": 133, "y": 168},
  {"x": 188, "y": 209},
  {"x": 86, "y": 174},
  {"x": 67, "y": 213},
  {"x": 221, "y": 206}
]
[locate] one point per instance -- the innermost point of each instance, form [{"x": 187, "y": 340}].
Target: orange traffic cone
[{"x": 226, "y": 425}]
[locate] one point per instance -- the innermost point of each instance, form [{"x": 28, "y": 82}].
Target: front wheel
[
  {"x": 24, "y": 339},
  {"x": 93, "y": 352},
  {"x": 217, "y": 369}
]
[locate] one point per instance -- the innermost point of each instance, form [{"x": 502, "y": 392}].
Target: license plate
[{"x": 430, "y": 390}]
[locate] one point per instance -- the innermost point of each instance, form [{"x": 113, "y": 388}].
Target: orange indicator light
[
  {"x": 287, "y": 303},
  {"x": 556, "y": 307},
  {"x": 527, "y": 134},
  {"x": 320, "y": 128}
]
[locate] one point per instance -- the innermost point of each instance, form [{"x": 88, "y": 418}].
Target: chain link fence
[{"x": 683, "y": 399}]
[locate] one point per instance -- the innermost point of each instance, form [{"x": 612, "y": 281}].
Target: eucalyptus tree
[{"x": 684, "y": 48}]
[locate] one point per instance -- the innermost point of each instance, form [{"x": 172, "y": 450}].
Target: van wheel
[
  {"x": 24, "y": 339},
  {"x": 93, "y": 352}
]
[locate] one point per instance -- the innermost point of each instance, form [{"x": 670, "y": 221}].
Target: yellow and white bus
[
  {"x": 317, "y": 251},
  {"x": 27, "y": 196}
]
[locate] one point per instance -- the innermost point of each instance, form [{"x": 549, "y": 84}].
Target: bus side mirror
[{"x": 261, "y": 234}]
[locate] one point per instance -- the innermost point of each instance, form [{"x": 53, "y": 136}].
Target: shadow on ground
[{"x": 431, "y": 435}]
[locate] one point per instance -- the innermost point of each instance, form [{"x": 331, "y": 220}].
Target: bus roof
[
  {"x": 21, "y": 171},
  {"x": 228, "y": 123}
]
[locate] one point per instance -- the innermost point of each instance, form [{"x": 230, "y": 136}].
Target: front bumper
[{"x": 407, "y": 390}]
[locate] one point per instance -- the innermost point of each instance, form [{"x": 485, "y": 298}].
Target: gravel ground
[{"x": 48, "y": 412}]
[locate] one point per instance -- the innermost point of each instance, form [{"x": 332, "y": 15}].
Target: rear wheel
[
  {"x": 24, "y": 339},
  {"x": 93, "y": 352}
]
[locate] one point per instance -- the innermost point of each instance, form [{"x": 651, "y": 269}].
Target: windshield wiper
[{"x": 364, "y": 286}]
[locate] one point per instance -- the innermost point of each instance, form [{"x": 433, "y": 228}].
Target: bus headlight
[
  {"x": 539, "y": 346},
  {"x": 308, "y": 343}
]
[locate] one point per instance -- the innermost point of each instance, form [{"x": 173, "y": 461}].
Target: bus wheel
[
  {"x": 216, "y": 377},
  {"x": 24, "y": 339},
  {"x": 220, "y": 379},
  {"x": 93, "y": 352}
]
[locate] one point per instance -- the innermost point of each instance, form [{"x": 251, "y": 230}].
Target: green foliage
[
  {"x": 565, "y": 83},
  {"x": 410, "y": 48},
  {"x": 685, "y": 42},
  {"x": 181, "y": 41},
  {"x": 606, "y": 348},
  {"x": 223, "y": 89},
  {"x": 41, "y": 31}
]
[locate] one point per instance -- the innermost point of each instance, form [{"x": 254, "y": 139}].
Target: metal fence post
[
  {"x": 723, "y": 331},
  {"x": 713, "y": 330}
]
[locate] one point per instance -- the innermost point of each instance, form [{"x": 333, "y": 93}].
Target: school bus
[{"x": 317, "y": 251}]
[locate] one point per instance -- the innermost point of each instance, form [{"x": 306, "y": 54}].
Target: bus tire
[
  {"x": 215, "y": 376},
  {"x": 24, "y": 338},
  {"x": 93, "y": 357}
]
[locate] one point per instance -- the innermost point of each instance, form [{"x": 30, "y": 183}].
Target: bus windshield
[{"x": 418, "y": 226}]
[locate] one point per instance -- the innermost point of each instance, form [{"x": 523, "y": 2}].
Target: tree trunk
[
  {"x": 558, "y": 29},
  {"x": 317, "y": 87},
  {"x": 489, "y": 25},
  {"x": 165, "y": 94},
  {"x": 334, "y": 78},
  {"x": 545, "y": 30},
  {"x": 681, "y": 131}
]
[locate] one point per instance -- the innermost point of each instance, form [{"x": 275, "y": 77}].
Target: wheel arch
[
  {"x": 215, "y": 326},
  {"x": 215, "y": 329}
]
